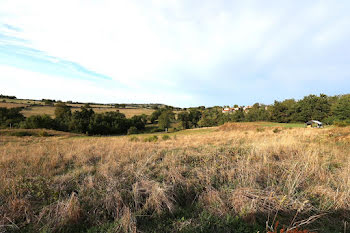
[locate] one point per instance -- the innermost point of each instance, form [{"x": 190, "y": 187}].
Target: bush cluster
[{"x": 153, "y": 138}]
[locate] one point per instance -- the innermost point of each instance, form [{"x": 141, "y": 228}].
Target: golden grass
[
  {"x": 54, "y": 182},
  {"x": 129, "y": 112},
  {"x": 50, "y": 110},
  {"x": 12, "y": 105},
  {"x": 38, "y": 110},
  {"x": 20, "y": 101}
]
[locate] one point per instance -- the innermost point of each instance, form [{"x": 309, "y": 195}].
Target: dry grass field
[
  {"x": 22, "y": 101},
  {"x": 49, "y": 110},
  {"x": 129, "y": 112},
  {"x": 38, "y": 110},
  {"x": 41, "y": 108},
  {"x": 12, "y": 105},
  {"x": 234, "y": 178}
]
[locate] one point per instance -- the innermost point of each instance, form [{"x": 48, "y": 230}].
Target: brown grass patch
[
  {"x": 50, "y": 110},
  {"x": 12, "y": 105},
  {"x": 39, "y": 110}
]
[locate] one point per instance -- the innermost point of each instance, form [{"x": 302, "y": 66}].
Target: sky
[{"x": 177, "y": 52}]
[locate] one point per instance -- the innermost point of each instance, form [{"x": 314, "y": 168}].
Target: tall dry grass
[{"x": 295, "y": 176}]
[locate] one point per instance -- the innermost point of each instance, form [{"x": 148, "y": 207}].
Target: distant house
[
  {"x": 246, "y": 108},
  {"x": 229, "y": 110},
  {"x": 226, "y": 110}
]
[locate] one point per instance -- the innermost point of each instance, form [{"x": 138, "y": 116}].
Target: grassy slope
[
  {"x": 231, "y": 178},
  {"x": 41, "y": 108},
  {"x": 129, "y": 112}
]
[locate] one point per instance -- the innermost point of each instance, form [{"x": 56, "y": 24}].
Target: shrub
[
  {"x": 134, "y": 139},
  {"x": 276, "y": 130},
  {"x": 165, "y": 137},
  {"x": 165, "y": 119},
  {"x": 132, "y": 130},
  {"x": 329, "y": 120},
  {"x": 341, "y": 123},
  {"x": 10, "y": 117},
  {"x": 139, "y": 121},
  {"x": 153, "y": 138},
  {"x": 38, "y": 121},
  {"x": 49, "y": 102},
  {"x": 260, "y": 129},
  {"x": 109, "y": 123},
  {"x": 43, "y": 133}
]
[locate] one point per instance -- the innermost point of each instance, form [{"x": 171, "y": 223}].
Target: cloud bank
[{"x": 183, "y": 53}]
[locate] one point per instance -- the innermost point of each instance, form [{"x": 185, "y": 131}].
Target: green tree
[
  {"x": 139, "y": 121},
  {"x": 80, "y": 120},
  {"x": 39, "y": 122},
  {"x": 194, "y": 117},
  {"x": 10, "y": 117},
  {"x": 206, "y": 120},
  {"x": 109, "y": 123},
  {"x": 211, "y": 117},
  {"x": 48, "y": 102},
  {"x": 257, "y": 113},
  {"x": 281, "y": 111},
  {"x": 132, "y": 130},
  {"x": 8, "y": 97},
  {"x": 63, "y": 116},
  {"x": 313, "y": 107},
  {"x": 238, "y": 116},
  {"x": 341, "y": 109},
  {"x": 184, "y": 118},
  {"x": 165, "y": 119},
  {"x": 154, "y": 116}
]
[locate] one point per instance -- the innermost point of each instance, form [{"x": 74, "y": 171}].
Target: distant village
[{"x": 234, "y": 109}]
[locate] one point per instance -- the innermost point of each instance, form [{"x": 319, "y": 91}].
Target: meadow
[
  {"x": 50, "y": 110},
  {"x": 37, "y": 107},
  {"x": 238, "y": 177}
]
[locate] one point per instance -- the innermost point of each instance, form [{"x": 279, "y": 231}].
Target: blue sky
[{"x": 178, "y": 52}]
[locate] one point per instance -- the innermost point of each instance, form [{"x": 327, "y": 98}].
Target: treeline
[
  {"x": 7, "y": 97},
  {"x": 328, "y": 109},
  {"x": 84, "y": 121}
]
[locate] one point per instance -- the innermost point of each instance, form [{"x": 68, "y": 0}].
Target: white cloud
[
  {"x": 37, "y": 86},
  {"x": 151, "y": 43}
]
